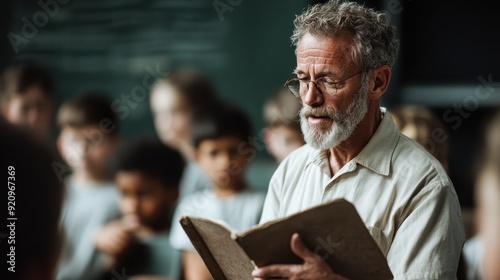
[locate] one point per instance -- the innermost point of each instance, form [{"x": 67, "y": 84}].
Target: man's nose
[{"x": 313, "y": 97}]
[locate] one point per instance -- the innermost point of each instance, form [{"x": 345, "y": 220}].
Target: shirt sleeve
[{"x": 430, "y": 236}]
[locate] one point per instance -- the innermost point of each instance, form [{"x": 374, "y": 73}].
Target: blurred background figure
[
  {"x": 174, "y": 100},
  {"x": 38, "y": 193},
  {"x": 89, "y": 136},
  {"x": 26, "y": 96},
  {"x": 282, "y": 134},
  {"x": 148, "y": 175},
  {"x": 488, "y": 194},
  {"x": 220, "y": 139},
  {"x": 423, "y": 126},
  {"x": 482, "y": 252}
]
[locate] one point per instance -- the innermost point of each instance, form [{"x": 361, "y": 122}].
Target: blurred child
[
  {"x": 26, "y": 97},
  {"x": 148, "y": 175},
  {"x": 482, "y": 252},
  {"x": 282, "y": 134},
  {"x": 89, "y": 135},
  {"x": 174, "y": 100},
  {"x": 488, "y": 199},
  {"x": 31, "y": 183},
  {"x": 421, "y": 125},
  {"x": 221, "y": 149}
]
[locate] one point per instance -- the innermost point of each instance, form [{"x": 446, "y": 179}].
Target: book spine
[{"x": 202, "y": 248}]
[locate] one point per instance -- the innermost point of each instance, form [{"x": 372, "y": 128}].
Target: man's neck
[{"x": 352, "y": 146}]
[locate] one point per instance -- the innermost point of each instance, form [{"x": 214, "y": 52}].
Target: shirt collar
[{"x": 376, "y": 155}]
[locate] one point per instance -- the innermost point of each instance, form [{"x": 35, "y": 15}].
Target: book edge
[{"x": 213, "y": 267}]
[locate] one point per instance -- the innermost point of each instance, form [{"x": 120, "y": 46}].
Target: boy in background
[
  {"x": 148, "y": 175},
  {"x": 220, "y": 141},
  {"x": 89, "y": 135},
  {"x": 26, "y": 97},
  {"x": 282, "y": 134}
]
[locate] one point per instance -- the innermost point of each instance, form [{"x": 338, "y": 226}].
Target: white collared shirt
[{"x": 401, "y": 192}]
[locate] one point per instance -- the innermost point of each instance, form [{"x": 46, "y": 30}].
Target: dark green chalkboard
[{"x": 112, "y": 45}]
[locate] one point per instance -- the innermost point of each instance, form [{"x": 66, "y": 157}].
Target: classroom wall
[
  {"x": 114, "y": 45},
  {"x": 449, "y": 49}
]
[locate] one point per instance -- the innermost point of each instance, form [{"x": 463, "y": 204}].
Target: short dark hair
[
  {"x": 194, "y": 86},
  {"x": 22, "y": 75},
  {"x": 87, "y": 109},
  {"x": 152, "y": 158},
  {"x": 223, "y": 119}
]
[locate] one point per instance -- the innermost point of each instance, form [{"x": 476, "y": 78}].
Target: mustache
[{"x": 306, "y": 112}]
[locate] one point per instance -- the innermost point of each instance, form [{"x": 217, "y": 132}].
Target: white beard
[{"x": 344, "y": 123}]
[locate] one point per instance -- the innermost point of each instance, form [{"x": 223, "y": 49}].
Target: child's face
[
  {"x": 87, "y": 149},
  {"x": 171, "y": 116},
  {"x": 144, "y": 200},
  {"x": 32, "y": 109},
  {"x": 222, "y": 160},
  {"x": 282, "y": 140}
]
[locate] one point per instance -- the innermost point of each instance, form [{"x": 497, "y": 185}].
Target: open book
[{"x": 333, "y": 231}]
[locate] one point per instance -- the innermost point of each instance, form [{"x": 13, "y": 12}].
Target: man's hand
[{"x": 312, "y": 268}]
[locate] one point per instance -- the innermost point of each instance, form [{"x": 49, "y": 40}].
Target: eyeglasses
[{"x": 325, "y": 85}]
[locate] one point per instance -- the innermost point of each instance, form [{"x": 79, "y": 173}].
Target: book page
[
  {"x": 231, "y": 259},
  {"x": 334, "y": 231}
]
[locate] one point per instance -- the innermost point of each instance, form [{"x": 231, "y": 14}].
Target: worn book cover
[{"x": 334, "y": 231}]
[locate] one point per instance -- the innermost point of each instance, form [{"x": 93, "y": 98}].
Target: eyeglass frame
[{"x": 315, "y": 83}]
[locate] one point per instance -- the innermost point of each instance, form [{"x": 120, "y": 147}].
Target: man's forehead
[{"x": 330, "y": 54}]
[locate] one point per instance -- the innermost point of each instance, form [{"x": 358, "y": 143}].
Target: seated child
[
  {"x": 147, "y": 175},
  {"x": 221, "y": 149},
  {"x": 26, "y": 97},
  {"x": 282, "y": 134},
  {"x": 89, "y": 135},
  {"x": 174, "y": 100}
]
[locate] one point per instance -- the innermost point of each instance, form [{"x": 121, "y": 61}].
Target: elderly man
[{"x": 354, "y": 151}]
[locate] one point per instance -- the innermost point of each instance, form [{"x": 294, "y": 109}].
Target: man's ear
[{"x": 380, "y": 81}]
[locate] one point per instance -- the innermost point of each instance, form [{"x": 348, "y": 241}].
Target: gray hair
[{"x": 375, "y": 42}]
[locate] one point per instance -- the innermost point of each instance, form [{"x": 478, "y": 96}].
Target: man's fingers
[
  {"x": 299, "y": 249},
  {"x": 275, "y": 271}
]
